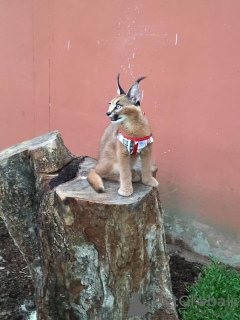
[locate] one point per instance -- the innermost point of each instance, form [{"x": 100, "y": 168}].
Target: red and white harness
[{"x": 134, "y": 145}]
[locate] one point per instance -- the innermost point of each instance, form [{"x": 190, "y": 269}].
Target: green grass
[{"x": 219, "y": 285}]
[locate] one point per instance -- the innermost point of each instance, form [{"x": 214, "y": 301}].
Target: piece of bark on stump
[{"x": 89, "y": 254}]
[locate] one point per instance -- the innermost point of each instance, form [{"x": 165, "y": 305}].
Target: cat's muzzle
[{"x": 113, "y": 117}]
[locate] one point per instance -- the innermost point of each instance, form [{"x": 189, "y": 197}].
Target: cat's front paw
[
  {"x": 125, "y": 191},
  {"x": 150, "y": 182}
]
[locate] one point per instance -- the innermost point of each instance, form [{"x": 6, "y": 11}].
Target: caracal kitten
[{"x": 127, "y": 138}]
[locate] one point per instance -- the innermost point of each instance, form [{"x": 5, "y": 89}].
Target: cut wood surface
[{"x": 91, "y": 256}]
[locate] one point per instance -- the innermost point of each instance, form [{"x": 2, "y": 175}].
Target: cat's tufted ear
[
  {"x": 134, "y": 92},
  {"x": 120, "y": 89}
]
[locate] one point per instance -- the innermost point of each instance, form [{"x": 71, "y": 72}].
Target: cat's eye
[{"x": 118, "y": 106}]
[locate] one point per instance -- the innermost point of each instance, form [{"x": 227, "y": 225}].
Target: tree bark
[{"x": 91, "y": 256}]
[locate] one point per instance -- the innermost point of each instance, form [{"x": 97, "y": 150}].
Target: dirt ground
[{"x": 17, "y": 292}]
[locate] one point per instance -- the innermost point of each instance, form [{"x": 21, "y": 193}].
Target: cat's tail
[{"x": 95, "y": 181}]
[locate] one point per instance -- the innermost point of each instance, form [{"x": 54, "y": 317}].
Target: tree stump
[{"x": 91, "y": 256}]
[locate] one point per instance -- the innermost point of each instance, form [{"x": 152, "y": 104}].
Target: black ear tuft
[
  {"x": 140, "y": 79},
  {"x": 120, "y": 89}
]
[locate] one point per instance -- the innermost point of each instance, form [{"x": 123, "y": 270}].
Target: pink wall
[{"x": 58, "y": 66}]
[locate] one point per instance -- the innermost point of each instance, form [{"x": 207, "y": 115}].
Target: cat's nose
[{"x": 108, "y": 113}]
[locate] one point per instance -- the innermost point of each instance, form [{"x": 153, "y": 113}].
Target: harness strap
[{"x": 135, "y": 139}]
